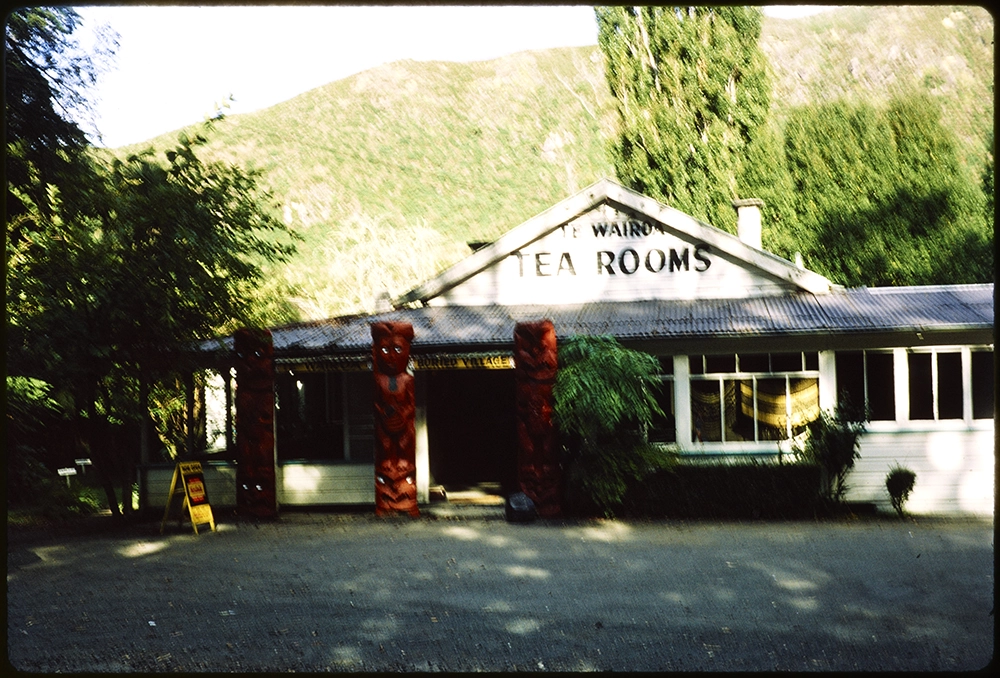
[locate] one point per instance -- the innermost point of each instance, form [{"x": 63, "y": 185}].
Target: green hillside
[
  {"x": 870, "y": 53},
  {"x": 389, "y": 173}
]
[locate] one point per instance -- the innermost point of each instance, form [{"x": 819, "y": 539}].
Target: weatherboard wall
[
  {"x": 313, "y": 483},
  {"x": 954, "y": 465}
]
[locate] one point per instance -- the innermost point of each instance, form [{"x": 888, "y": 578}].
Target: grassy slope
[
  {"x": 447, "y": 153},
  {"x": 469, "y": 149}
]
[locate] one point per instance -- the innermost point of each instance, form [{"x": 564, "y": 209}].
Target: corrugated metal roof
[{"x": 842, "y": 311}]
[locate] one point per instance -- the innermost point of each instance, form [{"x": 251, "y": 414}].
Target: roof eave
[
  {"x": 609, "y": 191},
  {"x": 726, "y": 243},
  {"x": 513, "y": 240}
]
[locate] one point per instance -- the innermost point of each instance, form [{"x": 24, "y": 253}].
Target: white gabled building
[{"x": 752, "y": 347}]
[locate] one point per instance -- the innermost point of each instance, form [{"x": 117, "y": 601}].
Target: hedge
[{"x": 728, "y": 490}]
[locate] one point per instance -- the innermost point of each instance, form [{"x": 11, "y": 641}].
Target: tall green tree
[
  {"x": 131, "y": 268},
  {"x": 113, "y": 265},
  {"x": 46, "y": 80},
  {"x": 883, "y": 196},
  {"x": 47, "y": 77},
  {"x": 693, "y": 93}
]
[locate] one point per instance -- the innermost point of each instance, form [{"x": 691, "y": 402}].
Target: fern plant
[{"x": 604, "y": 403}]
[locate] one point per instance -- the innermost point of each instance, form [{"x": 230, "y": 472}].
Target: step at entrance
[{"x": 479, "y": 494}]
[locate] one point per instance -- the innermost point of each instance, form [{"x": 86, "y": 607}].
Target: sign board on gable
[
  {"x": 609, "y": 243},
  {"x": 611, "y": 255}
]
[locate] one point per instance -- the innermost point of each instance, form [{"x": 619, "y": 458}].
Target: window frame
[
  {"x": 866, "y": 387},
  {"x": 344, "y": 414},
  {"x": 902, "y": 422},
  {"x": 667, "y": 387},
  {"x": 968, "y": 419},
  {"x": 806, "y": 371}
]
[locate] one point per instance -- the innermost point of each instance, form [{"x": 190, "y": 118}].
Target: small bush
[
  {"x": 900, "y": 483},
  {"x": 33, "y": 489},
  {"x": 833, "y": 444},
  {"x": 597, "y": 481}
]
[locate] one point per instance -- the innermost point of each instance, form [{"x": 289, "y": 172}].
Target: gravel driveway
[{"x": 349, "y": 592}]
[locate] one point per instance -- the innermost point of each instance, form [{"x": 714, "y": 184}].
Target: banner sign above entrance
[{"x": 463, "y": 362}]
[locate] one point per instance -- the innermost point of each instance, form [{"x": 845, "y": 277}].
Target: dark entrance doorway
[{"x": 471, "y": 430}]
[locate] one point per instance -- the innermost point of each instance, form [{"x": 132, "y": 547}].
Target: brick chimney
[{"x": 748, "y": 220}]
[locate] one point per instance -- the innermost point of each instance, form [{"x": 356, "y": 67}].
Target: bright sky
[{"x": 174, "y": 64}]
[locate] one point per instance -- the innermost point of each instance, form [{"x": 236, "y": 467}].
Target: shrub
[
  {"x": 34, "y": 489},
  {"x": 833, "y": 444},
  {"x": 598, "y": 480},
  {"x": 900, "y": 483},
  {"x": 604, "y": 401}
]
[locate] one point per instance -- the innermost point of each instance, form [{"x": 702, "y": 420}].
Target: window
[
  {"x": 935, "y": 378},
  {"x": 865, "y": 379},
  {"x": 935, "y": 389},
  {"x": 982, "y": 384},
  {"x": 324, "y": 416},
  {"x": 663, "y": 429},
  {"x": 218, "y": 397},
  {"x": 753, "y": 397}
]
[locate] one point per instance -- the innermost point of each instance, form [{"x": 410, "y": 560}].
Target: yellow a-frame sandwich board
[{"x": 189, "y": 481}]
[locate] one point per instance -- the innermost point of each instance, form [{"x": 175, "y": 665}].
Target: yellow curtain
[
  {"x": 705, "y": 408},
  {"x": 771, "y": 401}
]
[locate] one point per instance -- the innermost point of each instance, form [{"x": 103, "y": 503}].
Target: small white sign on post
[
  {"x": 67, "y": 472},
  {"x": 82, "y": 463}
]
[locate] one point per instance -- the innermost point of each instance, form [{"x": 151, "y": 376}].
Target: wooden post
[
  {"x": 256, "y": 491},
  {"x": 395, "y": 414},
  {"x": 422, "y": 448},
  {"x": 189, "y": 414},
  {"x": 230, "y": 443},
  {"x": 535, "y": 365},
  {"x": 143, "y": 419}
]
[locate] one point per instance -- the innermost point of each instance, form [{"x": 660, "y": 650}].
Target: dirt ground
[{"x": 469, "y": 592}]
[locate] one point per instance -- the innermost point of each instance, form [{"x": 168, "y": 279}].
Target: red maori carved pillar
[
  {"x": 255, "y": 481},
  {"x": 535, "y": 365},
  {"x": 395, "y": 414}
]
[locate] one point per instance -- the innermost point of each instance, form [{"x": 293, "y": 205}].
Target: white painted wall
[
  {"x": 955, "y": 469},
  {"x": 310, "y": 484},
  {"x": 298, "y": 484}
]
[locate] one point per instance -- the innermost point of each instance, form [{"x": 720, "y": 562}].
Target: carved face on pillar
[
  {"x": 535, "y": 349},
  {"x": 395, "y": 409},
  {"x": 254, "y": 352},
  {"x": 391, "y": 347},
  {"x": 535, "y": 408},
  {"x": 255, "y": 496},
  {"x": 396, "y": 487}
]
